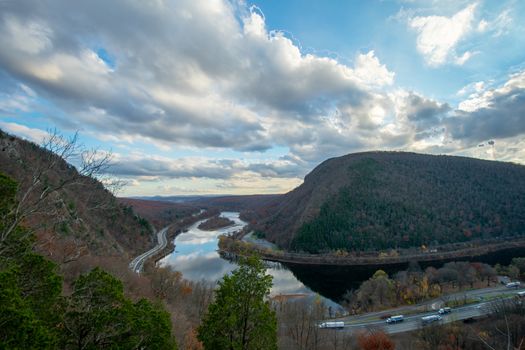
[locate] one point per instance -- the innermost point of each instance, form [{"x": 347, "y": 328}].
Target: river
[{"x": 196, "y": 257}]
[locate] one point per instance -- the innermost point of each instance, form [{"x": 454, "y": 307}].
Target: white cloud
[
  {"x": 476, "y": 87},
  {"x": 498, "y": 25},
  {"x": 460, "y": 60},
  {"x": 502, "y": 24},
  {"x": 31, "y": 134},
  {"x": 210, "y": 76},
  {"x": 234, "y": 90},
  {"x": 371, "y": 72},
  {"x": 482, "y": 25},
  {"x": 438, "y": 36}
]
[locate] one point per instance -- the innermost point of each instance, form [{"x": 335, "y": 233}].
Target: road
[
  {"x": 137, "y": 264},
  {"x": 413, "y": 322}
]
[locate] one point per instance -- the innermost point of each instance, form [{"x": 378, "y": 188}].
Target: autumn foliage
[{"x": 375, "y": 341}]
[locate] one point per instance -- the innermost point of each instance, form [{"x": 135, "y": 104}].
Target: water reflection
[{"x": 197, "y": 258}]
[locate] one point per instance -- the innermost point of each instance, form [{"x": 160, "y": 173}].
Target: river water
[{"x": 196, "y": 256}]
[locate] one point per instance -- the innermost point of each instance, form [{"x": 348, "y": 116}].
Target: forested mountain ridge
[
  {"x": 382, "y": 200},
  {"x": 77, "y": 215}
]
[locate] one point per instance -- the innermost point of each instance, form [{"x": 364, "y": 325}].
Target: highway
[
  {"x": 413, "y": 321},
  {"x": 137, "y": 264}
]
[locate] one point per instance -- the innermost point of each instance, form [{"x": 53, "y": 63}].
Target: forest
[{"x": 392, "y": 201}]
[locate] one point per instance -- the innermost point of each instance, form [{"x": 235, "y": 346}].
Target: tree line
[
  {"x": 405, "y": 201},
  {"x": 414, "y": 285}
]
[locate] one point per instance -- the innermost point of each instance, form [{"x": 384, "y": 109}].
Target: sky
[{"x": 239, "y": 97}]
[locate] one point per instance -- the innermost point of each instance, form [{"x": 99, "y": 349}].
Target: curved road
[
  {"x": 413, "y": 322},
  {"x": 137, "y": 264}
]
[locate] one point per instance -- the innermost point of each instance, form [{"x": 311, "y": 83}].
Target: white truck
[
  {"x": 395, "y": 319},
  {"x": 513, "y": 284},
  {"x": 336, "y": 325},
  {"x": 430, "y": 319},
  {"x": 445, "y": 310}
]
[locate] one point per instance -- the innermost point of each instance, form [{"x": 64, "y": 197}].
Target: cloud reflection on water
[{"x": 197, "y": 258}]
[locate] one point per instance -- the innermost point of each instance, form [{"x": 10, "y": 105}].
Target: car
[
  {"x": 444, "y": 310},
  {"x": 515, "y": 284}
]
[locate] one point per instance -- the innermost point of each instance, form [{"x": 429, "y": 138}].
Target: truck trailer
[
  {"x": 395, "y": 319},
  {"x": 430, "y": 319},
  {"x": 336, "y": 325}
]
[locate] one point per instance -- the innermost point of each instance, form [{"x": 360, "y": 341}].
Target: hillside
[
  {"x": 219, "y": 202},
  {"x": 159, "y": 213},
  {"x": 81, "y": 217},
  {"x": 381, "y": 200}
]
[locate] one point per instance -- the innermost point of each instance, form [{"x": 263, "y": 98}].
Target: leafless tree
[
  {"x": 508, "y": 328},
  {"x": 38, "y": 193}
]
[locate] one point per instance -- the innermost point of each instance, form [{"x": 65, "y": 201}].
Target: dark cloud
[
  {"x": 155, "y": 167},
  {"x": 501, "y": 114},
  {"x": 425, "y": 112}
]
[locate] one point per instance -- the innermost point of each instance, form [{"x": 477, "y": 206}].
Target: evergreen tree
[
  {"x": 100, "y": 316},
  {"x": 240, "y": 318},
  {"x": 33, "y": 315},
  {"x": 30, "y": 288}
]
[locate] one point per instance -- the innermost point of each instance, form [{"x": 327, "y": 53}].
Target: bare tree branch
[{"x": 53, "y": 170}]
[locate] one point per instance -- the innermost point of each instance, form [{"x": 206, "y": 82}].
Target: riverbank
[
  {"x": 173, "y": 231},
  {"x": 232, "y": 246}
]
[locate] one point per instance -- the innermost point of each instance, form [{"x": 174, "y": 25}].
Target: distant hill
[
  {"x": 159, "y": 213},
  {"x": 219, "y": 202},
  {"x": 83, "y": 218},
  {"x": 381, "y": 200}
]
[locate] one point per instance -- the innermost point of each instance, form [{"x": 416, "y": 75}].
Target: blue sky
[{"x": 207, "y": 97}]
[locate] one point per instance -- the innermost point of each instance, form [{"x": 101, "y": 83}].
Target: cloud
[
  {"x": 499, "y": 25},
  {"x": 31, "y": 134},
  {"x": 475, "y": 87},
  {"x": 438, "y": 36},
  {"x": 146, "y": 167},
  {"x": 482, "y": 25},
  {"x": 209, "y": 76},
  {"x": 491, "y": 114},
  {"x": 175, "y": 77},
  {"x": 422, "y": 112}
]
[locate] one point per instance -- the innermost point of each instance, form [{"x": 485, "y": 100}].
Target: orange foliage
[
  {"x": 186, "y": 289},
  {"x": 375, "y": 341},
  {"x": 191, "y": 342}
]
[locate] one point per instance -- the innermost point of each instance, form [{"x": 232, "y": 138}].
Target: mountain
[
  {"x": 219, "y": 202},
  {"x": 381, "y": 200},
  {"x": 71, "y": 214},
  {"x": 159, "y": 213}
]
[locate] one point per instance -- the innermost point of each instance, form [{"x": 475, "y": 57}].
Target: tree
[
  {"x": 38, "y": 192},
  {"x": 100, "y": 316},
  {"x": 29, "y": 285},
  {"x": 298, "y": 322},
  {"x": 375, "y": 341},
  {"x": 376, "y": 292},
  {"x": 96, "y": 315},
  {"x": 150, "y": 327},
  {"x": 33, "y": 315},
  {"x": 240, "y": 318}
]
